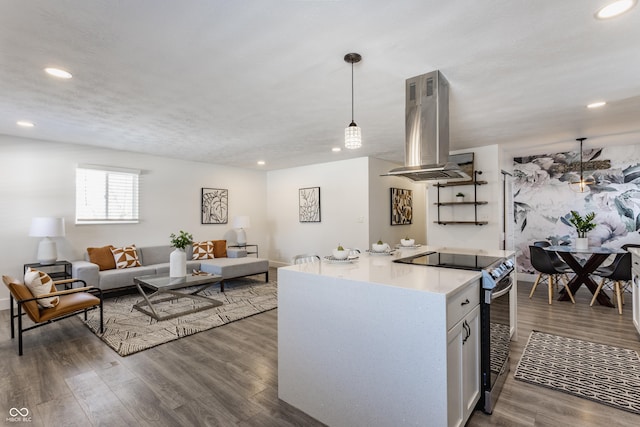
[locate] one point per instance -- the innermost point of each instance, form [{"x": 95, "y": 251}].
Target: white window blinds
[{"x": 106, "y": 195}]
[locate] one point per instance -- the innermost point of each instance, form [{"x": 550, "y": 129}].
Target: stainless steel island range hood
[{"x": 427, "y": 132}]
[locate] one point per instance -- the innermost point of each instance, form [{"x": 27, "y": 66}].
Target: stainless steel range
[{"x": 495, "y": 327}]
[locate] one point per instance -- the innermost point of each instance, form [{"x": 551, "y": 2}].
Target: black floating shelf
[
  {"x": 462, "y": 222},
  {"x": 455, "y": 184},
  {"x": 460, "y": 203}
]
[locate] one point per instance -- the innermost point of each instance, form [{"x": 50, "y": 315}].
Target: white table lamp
[
  {"x": 240, "y": 223},
  {"x": 47, "y": 227}
]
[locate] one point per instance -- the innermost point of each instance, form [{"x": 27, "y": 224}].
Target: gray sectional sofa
[{"x": 155, "y": 260}]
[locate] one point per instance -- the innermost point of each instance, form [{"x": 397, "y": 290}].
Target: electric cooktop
[{"x": 451, "y": 260}]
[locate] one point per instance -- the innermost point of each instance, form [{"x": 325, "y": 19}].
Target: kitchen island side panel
[{"x": 360, "y": 354}]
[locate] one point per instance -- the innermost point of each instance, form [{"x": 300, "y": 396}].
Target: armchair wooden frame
[{"x": 72, "y": 302}]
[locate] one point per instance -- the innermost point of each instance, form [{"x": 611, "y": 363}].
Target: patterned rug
[
  {"x": 129, "y": 331},
  {"x": 598, "y": 372}
]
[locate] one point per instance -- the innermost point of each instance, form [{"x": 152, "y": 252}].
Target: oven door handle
[{"x": 501, "y": 291}]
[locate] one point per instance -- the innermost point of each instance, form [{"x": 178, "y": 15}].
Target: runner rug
[
  {"x": 129, "y": 331},
  {"x": 598, "y": 372}
]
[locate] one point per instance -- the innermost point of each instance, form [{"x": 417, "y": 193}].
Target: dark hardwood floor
[{"x": 227, "y": 376}]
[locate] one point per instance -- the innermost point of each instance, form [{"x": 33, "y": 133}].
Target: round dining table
[{"x": 596, "y": 256}]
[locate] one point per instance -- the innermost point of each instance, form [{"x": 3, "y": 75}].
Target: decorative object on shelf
[
  {"x": 352, "y": 133},
  {"x": 309, "y": 204},
  {"x": 340, "y": 253},
  {"x": 407, "y": 241},
  {"x": 379, "y": 246},
  {"x": 47, "y": 227},
  {"x": 581, "y": 185},
  {"x": 215, "y": 202},
  {"x": 401, "y": 206},
  {"x": 178, "y": 258},
  {"x": 240, "y": 223},
  {"x": 460, "y": 197},
  {"x": 583, "y": 226}
]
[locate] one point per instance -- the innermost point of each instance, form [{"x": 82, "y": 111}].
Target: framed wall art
[
  {"x": 401, "y": 206},
  {"x": 309, "y": 204},
  {"x": 215, "y": 206}
]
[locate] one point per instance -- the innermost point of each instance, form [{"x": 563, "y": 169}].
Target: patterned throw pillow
[
  {"x": 203, "y": 250},
  {"x": 126, "y": 257},
  {"x": 40, "y": 283}
]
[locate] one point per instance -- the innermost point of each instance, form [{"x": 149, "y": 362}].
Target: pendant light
[
  {"x": 352, "y": 133},
  {"x": 582, "y": 185}
]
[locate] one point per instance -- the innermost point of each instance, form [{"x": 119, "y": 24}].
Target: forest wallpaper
[{"x": 543, "y": 200}]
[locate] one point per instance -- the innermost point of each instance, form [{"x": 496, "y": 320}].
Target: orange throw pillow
[
  {"x": 219, "y": 248},
  {"x": 103, "y": 257}
]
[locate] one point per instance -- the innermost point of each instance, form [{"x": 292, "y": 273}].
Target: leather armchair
[{"x": 72, "y": 302}]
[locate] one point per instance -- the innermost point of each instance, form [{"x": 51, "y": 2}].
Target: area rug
[
  {"x": 128, "y": 331},
  {"x": 598, "y": 372}
]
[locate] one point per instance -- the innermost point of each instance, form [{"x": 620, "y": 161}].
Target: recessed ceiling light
[
  {"x": 336, "y": 149},
  {"x": 25, "y": 124},
  {"x": 57, "y": 72},
  {"x": 261, "y": 162},
  {"x": 596, "y": 104},
  {"x": 614, "y": 9}
]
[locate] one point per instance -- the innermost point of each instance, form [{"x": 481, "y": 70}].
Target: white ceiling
[{"x": 232, "y": 82}]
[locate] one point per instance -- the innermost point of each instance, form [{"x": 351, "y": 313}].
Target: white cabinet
[
  {"x": 635, "y": 285},
  {"x": 463, "y": 367}
]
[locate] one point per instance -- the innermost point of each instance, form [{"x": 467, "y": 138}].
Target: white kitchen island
[{"x": 377, "y": 343}]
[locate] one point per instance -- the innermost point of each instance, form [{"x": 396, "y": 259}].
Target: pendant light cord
[{"x": 352, "y": 93}]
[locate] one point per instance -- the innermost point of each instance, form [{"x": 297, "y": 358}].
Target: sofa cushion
[
  {"x": 164, "y": 267},
  {"x": 40, "y": 283},
  {"x": 235, "y": 267},
  {"x": 126, "y": 257},
  {"x": 151, "y": 255},
  {"x": 119, "y": 278},
  {"x": 203, "y": 250},
  {"x": 219, "y": 248},
  {"x": 103, "y": 257}
]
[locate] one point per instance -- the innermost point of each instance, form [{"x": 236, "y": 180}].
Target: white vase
[
  {"x": 582, "y": 243},
  {"x": 178, "y": 263},
  {"x": 460, "y": 199}
]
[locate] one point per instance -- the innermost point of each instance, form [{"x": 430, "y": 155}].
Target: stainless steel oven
[
  {"x": 495, "y": 328},
  {"x": 495, "y": 333}
]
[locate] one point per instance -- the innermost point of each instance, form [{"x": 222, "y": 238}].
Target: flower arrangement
[
  {"x": 182, "y": 240},
  {"x": 583, "y": 225}
]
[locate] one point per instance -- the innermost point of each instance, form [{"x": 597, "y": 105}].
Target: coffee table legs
[
  {"x": 149, "y": 301},
  {"x": 583, "y": 276}
]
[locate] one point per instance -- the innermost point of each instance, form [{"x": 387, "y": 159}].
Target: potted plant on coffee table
[
  {"x": 178, "y": 258},
  {"x": 582, "y": 225}
]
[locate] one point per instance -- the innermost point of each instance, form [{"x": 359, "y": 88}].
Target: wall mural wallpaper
[{"x": 543, "y": 199}]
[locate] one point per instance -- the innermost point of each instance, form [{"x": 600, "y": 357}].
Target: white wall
[
  {"x": 37, "y": 178},
  {"x": 487, "y": 160},
  {"x": 380, "y": 205},
  {"x": 344, "y": 202}
]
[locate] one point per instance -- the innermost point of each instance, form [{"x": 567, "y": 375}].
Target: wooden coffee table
[{"x": 174, "y": 286}]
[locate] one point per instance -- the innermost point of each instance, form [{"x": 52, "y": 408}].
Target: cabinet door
[{"x": 463, "y": 368}]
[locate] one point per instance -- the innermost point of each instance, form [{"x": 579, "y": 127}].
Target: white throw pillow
[{"x": 40, "y": 283}]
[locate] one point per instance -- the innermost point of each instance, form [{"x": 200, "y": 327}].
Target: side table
[
  {"x": 254, "y": 252},
  {"x": 59, "y": 270}
]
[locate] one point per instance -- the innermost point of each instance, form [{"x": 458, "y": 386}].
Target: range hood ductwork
[{"x": 427, "y": 131}]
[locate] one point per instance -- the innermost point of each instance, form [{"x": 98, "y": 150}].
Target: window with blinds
[{"x": 106, "y": 195}]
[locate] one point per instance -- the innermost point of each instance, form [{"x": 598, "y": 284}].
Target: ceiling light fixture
[
  {"x": 597, "y": 104},
  {"x": 261, "y": 162},
  {"x": 336, "y": 149},
  {"x": 581, "y": 186},
  {"x": 57, "y": 72},
  {"x": 352, "y": 133},
  {"x": 615, "y": 9},
  {"x": 25, "y": 124}
]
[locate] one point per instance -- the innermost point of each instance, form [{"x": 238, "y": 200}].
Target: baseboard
[
  {"x": 527, "y": 277},
  {"x": 4, "y": 303}
]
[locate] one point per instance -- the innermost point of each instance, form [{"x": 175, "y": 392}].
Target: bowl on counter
[
  {"x": 343, "y": 254},
  {"x": 408, "y": 242},
  {"x": 375, "y": 247}
]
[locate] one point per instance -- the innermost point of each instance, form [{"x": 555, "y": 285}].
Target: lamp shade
[
  {"x": 241, "y": 221},
  {"x": 47, "y": 227}
]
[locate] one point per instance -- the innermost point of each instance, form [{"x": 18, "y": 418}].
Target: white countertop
[{"x": 379, "y": 269}]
